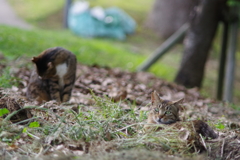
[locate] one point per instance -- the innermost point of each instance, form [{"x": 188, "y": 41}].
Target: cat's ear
[
  {"x": 35, "y": 59},
  {"x": 155, "y": 98},
  {"x": 50, "y": 65},
  {"x": 178, "y": 103}
]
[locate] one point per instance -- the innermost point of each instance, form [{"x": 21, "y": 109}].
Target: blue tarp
[{"x": 115, "y": 24}]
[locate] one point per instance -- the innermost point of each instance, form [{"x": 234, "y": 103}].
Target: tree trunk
[
  {"x": 167, "y": 16},
  {"x": 198, "y": 42}
]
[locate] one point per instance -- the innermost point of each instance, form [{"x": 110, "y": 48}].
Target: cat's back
[
  {"x": 57, "y": 55},
  {"x": 56, "y": 61},
  {"x": 198, "y": 126},
  {"x": 54, "y": 75}
]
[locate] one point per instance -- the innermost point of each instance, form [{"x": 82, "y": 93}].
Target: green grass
[
  {"x": 6, "y": 80},
  {"x": 126, "y": 55},
  {"x": 16, "y": 42},
  {"x": 100, "y": 130},
  {"x": 36, "y": 10},
  {"x": 42, "y": 9},
  {"x": 103, "y": 123},
  {"x": 49, "y": 15},
  {"x": 105, "y": 128}
]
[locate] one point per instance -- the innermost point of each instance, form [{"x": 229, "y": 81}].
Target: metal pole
[
  {"x": 228, "y": 93},
  {"x": 169, "y": 43},
  {"x": 66, "y": 9},
  {"x": 221, "y": 72}
]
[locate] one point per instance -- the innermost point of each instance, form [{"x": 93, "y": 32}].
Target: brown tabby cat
[
  {"x": 54, "y": 76},
  {"x": 167, "y": 112}
]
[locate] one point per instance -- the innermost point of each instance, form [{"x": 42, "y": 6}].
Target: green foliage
[
  {"x": 41, "y": 9},
  {"x": 34, "y": 124},
  {"x": 34, "y": 10},
  {"x": 233, "y": 2},
  {"x": 106, "y": 121},
  {"x": 3, "y": 111},
  {"x": 6, "y": 79},
  {"x": 219, "y": 125},
  {"x": 235, "y": 106},
  {"x": 88, "y": 51},
  {"x": 24, "y": 130}
]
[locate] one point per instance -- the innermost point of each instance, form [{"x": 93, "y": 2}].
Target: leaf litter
[{"x": 105, "y": 118}]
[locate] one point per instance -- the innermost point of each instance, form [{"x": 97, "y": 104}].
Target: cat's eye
[
  {"x": 168, "y": 112},
  {"x": 156, "y": 109}
]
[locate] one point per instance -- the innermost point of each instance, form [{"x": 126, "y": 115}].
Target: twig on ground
[
  {"x": 222, "y": 147},
  {"x": 204, "y": 144}
]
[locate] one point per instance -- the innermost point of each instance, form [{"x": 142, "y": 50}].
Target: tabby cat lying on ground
[
  {"x": 54, "y": 76},
  {"x": 167, "y": 113}
]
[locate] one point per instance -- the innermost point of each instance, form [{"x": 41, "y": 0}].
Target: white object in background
[
  {"x": 79, "y": 7},
  {"x": 98, "y": 12}
]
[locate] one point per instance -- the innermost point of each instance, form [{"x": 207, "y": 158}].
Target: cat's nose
[{"x": 160, "y": 118}]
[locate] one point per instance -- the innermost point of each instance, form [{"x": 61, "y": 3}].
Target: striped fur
[
  {"x": 54, "y": 76},
  {"x": 164, "y": 112}
]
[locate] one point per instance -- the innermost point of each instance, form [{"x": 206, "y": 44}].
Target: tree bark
[
  {"x": 167, "y": 16},
  {"x": 198, "y": 41}
]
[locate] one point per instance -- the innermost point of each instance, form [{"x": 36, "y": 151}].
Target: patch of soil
[
  {"x": 13, "y": 105},
  {"x": 134, "y": 88}
]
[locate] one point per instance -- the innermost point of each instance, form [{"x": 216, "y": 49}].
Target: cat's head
[
  {"x": 44, "y": 65},
  {"x": 164, "y": 111}
]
